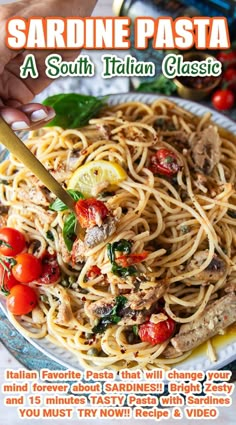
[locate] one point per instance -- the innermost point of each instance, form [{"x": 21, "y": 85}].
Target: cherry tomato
[
  {"x": 27, "y": 268},
  {"x": 223, "y": 99},
  {"x": 22, "y": 300},
  {"x": 50, "y": 269},
  {"x": 156, "y": 333},
  {"x": 230, "y": 77},
  {"x": 93, "y": 272},
  {"x": 90, "y": 212},
  {"x": 128, "y": 260},
  {"x": 227, "y": 57},
  {"x": 164, "y": 162},
  {"x": 12, "y": 242},
  {"x": 7, "y": 280}
]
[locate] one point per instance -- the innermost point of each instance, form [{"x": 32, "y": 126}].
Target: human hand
[{"x": 15, "y": 92}]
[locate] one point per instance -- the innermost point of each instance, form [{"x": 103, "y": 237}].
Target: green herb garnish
[
  {"x": 73, "y": 110},
  {"x": 68, "y": 231},
  {"x": 121, "y": 246},
  {"x": 123, "y": 271},
  {"x": 58, "y": 205},
  {"x": 112, "y": 317}
]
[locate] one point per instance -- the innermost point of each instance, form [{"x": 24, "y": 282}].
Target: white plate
[{"x": 226, "y": 352}]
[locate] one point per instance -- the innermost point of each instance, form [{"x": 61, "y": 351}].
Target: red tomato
[
  {"x": 156, "y": 333},
  {"x": 22, "y": 300},
  {"x": 90, "y": 212},
  {"x": 128, "y": 260},
  {"x": 223, "y": 99},
  {"x": 12, "y": 242},
  {"x": 230, "y": 74},
  {"x": 226, "y": 57},
  {"x": 7, "y": 280},
  {"x": 50, "y": 269},
  {"x": 27, "y": 268},
  {"x": 164, "y": 162},
  {"x": 230, "y": 77},
  {"x": 93, "y": 272}
]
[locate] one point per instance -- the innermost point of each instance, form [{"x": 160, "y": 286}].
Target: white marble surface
[{"x": 8, "y": 415}]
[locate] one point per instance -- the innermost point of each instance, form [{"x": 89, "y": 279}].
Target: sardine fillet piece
[{"x": 219, "y": 315}]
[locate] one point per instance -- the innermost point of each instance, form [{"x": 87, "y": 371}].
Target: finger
[
  {"x": 37, "y": 113},
  {"x": 27, "y": 117},
  {"x": 17, "y": 119}
]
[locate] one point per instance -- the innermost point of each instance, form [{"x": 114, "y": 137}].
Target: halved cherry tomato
[
  {"x": 7, "y": 280},
  {"x": 223, "y": 99},
  {"x": 90, "y": 212},
  {"x": 93, "y": 272},
  {"x": 164, "y": 162},
  {"x": 156, "y": 333},
  {"x": 27, "y": 268},
  {"x": 50, "y": 269},
  {"x": 12, "y": 242},
  {"x": 22, "y": 300},
  {"x": 128, "y": 260}
]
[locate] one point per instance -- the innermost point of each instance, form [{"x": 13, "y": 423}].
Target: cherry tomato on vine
[
  {"x": 164, "y": 162},
  {"x": 50, "y": 269},
  {"x": 156, "y": 333},
  {"x": 90, "y": 211},
  {"x": 27, "y": 268},
  {"x": 7, "y": 280},
  {"x": 223, "y": 99},
  {"x": 12, "y": 242},
  {"x": 22, "y": 300}
]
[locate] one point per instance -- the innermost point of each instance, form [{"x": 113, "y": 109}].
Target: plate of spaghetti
[{"x": 151, "y": 281}]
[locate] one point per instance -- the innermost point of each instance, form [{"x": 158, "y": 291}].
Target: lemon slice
[{"x": 96, "y": 176}]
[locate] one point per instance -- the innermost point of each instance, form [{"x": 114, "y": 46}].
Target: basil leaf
[
  {"x": 75, "y": 194},
  {"x": 135, "y": 329},
  {"x": 73, "y": 110},
  {"x": 68, "y": 231},
  {"x": 58, "y": 205}
]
